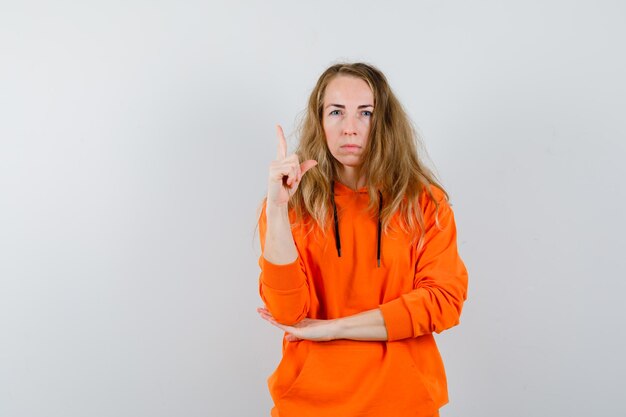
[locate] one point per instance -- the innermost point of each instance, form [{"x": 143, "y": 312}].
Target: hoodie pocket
[
  {"x": 428, "y": 364},
  {"x": 363, "y": 374},
  {"x": 290, "y": 368},
  {"x": 304, "y": 368}
]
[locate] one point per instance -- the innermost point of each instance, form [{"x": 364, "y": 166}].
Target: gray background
[{"x": 135, "y": 139}]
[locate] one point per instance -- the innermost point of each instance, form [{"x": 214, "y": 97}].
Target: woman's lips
[{"x": 350, "y": 147}]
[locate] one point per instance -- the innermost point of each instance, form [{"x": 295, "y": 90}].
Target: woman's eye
[
  {"x": 334, "y": 113},
  {"x": 367, "y": 113}
]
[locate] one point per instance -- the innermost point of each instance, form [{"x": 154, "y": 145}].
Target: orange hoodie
[{"x": 418, "y": 292}]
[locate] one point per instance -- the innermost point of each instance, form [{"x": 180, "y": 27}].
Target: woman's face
[{"x": 347, "y": 113}]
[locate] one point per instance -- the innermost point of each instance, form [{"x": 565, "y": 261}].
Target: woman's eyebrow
[{"x": 341, "y": 106}]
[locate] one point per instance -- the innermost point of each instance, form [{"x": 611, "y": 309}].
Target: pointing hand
[{"x": 285, "y": 173}]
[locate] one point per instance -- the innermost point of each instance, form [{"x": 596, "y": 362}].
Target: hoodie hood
[{"x": 341, "y": 189}]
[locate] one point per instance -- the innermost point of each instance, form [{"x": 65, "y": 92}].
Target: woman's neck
[{"x": 350, "y": 177}]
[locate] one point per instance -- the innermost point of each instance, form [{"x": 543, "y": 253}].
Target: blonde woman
[{"x": 359, "y": 263}]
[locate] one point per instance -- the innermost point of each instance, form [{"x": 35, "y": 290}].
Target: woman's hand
[
  {"x": 285, "y": 173},
  {"x": 309, "y": 329}
]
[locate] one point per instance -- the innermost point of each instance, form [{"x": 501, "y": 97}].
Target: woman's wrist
[{"x": 274, "y": 209}]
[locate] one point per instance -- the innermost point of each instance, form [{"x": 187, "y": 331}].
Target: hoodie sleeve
[
  {"x": 283, "y": 288},
  {"x": 439, "y": 282}
]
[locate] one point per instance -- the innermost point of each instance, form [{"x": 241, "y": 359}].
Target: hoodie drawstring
[
  {"x": 380, "y": 209},
  {"x": 337, "y": 239},
  {"x": 378, "y": 231}
]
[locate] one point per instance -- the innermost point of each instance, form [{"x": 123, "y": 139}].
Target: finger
[
  {"x": 279, "y": 171},
  {"x": 294, "y": 168},
  {"x": 265, "y": 314},
  {"x": 282, "y": 144},
  {"x": 273, "y": 322},
  {"x": 291, "y": 176},
  {"x": 269, "y": 318}
]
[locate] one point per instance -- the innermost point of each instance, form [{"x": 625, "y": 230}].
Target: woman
[{"x": 359, "y": 261}]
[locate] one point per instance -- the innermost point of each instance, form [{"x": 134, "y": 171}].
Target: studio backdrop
[{"x": 135, "y": 141}]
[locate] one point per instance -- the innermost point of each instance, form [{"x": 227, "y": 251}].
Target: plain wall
[{"x": 135, "y": 139}]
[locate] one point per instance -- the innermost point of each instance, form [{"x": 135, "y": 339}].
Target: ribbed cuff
[
  {"x": 282, "y": 277},
  {"x": 397, "y": 319}
]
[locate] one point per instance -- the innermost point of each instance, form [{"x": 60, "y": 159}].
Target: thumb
[
  {"x": 291, "y": 338},
  {"x": 306, "y": 165}
]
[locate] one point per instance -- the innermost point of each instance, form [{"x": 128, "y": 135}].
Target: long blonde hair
[{"x": 390, "y": 162}]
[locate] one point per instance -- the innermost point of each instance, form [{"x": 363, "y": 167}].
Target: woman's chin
[{"x": 349, "y": 161}]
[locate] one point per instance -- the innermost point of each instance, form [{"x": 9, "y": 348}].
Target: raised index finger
[{"x": 282, "y": 144}]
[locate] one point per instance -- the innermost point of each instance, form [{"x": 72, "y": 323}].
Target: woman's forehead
[{"x": 344, "y": 89}]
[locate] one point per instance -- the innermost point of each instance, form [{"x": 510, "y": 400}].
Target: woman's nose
[{"x": 349, "y": 126}]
